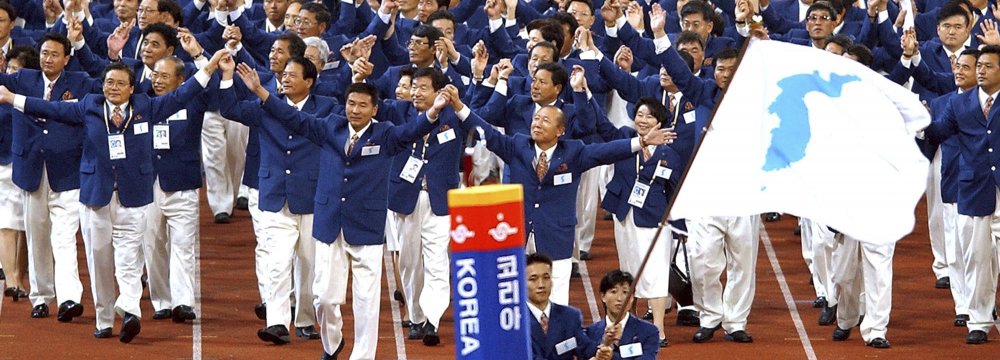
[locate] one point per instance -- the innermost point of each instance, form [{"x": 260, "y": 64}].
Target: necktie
[
  {"x": 116, "y": 117},
  {"x": 670, "y": 106},
  {"x": 48, "y": 91},
  {"x": 951, "y": 59},
  {"x": 986, "y": 108},
  {"x": 354, "y": 140},
  {"x": 645, "y": 153},
  {"x": 544, "y": 321},
  {"x": 543, "y": 165}
]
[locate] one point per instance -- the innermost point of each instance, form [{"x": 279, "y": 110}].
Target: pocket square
[
  {"x": 68, "y": 95},
  {"x": 562, "y": 168},
  {"x": 688, "y": 106},
  {"x": 663, "y": 162},
  {"x": 444, "y": 128}
]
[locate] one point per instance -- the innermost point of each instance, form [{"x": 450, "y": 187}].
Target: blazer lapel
[{"x": 554, "y": 162}]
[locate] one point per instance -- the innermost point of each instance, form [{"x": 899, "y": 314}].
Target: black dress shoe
[
  {"x": 162, "y": 314},
  {"x": 2, "y": 275},
  {"x": 688, "y": 317},
  {"x": 276, "y": 334},
  {"x": 222, "y": 218},
  {"x": 130, "y": 328},
  {"x": 879, "y": 343},
  {"x": 772, "y": 217},
  {"x": 828, "y": 316},
  {"x": 9, "y": 292},
  {"x": 308, "y": 333},
  {"x": 943, "y": 283},
  {"x": 664, "y": 343},
  {"x": 798, "y": 230},
  {"x": 648, "y": 316},
  {"x": 607, "y": 215},
  {"x": 575, "y": 271},
  {"x": 738, "y": 337},
  {"x": 335, "y": 353},
  {"x": 841, "y": 334},
  {"x": 398, "y": 296},
  {"x": 182, "y": 313},
  {"x": 431, "y": 337},
  {"x": 261, "y": 311},
  {"x": 961, "y": 320},
  {"x": 416, "y": 332},
  {"x": 405, "y": 323},
  {"x": 820, "y": 302},
  {"x": 584, "y": 255},
  {"x": 976, "y": 337},
  {"x": 242, "y": 203},
  {"x": 102, "y": 333},
  {"x": 40, "y": 311},
  {"x": 705, "y": 334},
  {"x": 69, "y": 310}
]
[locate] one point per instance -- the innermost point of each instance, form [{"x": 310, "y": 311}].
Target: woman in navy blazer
[
  {"x": 656, "y": 171},
  {"x": 631, "y": 337}
]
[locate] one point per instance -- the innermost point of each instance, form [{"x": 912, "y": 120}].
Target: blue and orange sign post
[{"x": 487, "y": 268}]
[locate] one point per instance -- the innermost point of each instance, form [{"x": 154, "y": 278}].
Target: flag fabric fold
[{"x": 812, "y": 134}]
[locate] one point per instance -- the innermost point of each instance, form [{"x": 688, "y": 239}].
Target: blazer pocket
[
  {"x": 965, "y": 175},
  {"x": 322, "y": 199},
  {"x": 264, "y": 173},
  {"x": 87, "y": 168},
  {"x": 17, "y": 149}
]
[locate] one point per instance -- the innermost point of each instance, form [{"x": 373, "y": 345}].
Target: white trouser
[
  {"x": 223, "y": 146},
  {"x": 290, "y": 248},
  {"x": 483, "y": 161},
  {"x": 11, "y": 201},
  {"x": 873, "y": 276},
  {"x": 717, "y": 244},
  {"x": 423, "y": 261},
  {"x": 113, "y": 238},
  {"x": 333, "y": 264},
  {"x": 587, "y": 202},
  {"x": 392, "y": 242},
  {"x": 955, "y": 237},
  {"x": 820, "y": 241},
  {"x": 260, "y": 251},
  {"x": 561, "y": 271},
  {"x": 51, "y": 220},
  {"x": 633, "y": 243},
  {"x": 936, "y": 227},
  {"x": 168, "y": 247},
  {"x": 980, "y": 254}
]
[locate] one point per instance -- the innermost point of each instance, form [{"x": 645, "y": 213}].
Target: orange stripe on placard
[{"x": 486, "y": 218}]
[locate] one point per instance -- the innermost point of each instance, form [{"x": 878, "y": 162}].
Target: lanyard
[
  {"x": 638, "y": 161},
  {"x": 107, "y": 119},
  {"x": 423, "y": 153},
  {"x": 676, "y": 113}
]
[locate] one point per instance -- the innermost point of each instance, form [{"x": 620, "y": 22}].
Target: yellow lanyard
[{"x": 107, "y": 119}]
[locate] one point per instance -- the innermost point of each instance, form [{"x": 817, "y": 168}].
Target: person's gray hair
[{"x": 319, "y": 44}]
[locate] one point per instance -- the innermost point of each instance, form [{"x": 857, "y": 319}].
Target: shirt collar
[
  {"x": 112, "y": 106},
  {"x": 46, "y": 80},
  {"x": 271, "y": 28},
  {"x": 983, "y": 96},
  {"x": 298, "y": 106},
  {"x": 7, "y": 46},
  {"x": 548, "y": 153},
  {"x": 351, "y": 132},
  {"x": 622, "y": 322},
  {"x": 538, "y": 312}
]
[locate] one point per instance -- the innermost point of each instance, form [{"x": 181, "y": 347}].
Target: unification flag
[
  {"x": 816, "y": 135},
  {"x": 487, "y": 272}
]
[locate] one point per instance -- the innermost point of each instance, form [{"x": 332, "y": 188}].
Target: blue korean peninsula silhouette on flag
[{"x": 812, "y": 134}]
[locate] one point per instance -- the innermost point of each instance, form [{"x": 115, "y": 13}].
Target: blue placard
[{"x": 491, "y": 311}]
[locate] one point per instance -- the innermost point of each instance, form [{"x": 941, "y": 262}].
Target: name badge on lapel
[
  {"x": 689, "y": 117},
  {"x": 161, "y": 137},
  {"x": 116, "y": 146},
  {"x": 662, "y": 171},
  {"x": 445, "y": 135},
  {"x": 411, "y": 169},
  {"x": 370, "y": 150},
  {"x": 566, "y": 346},
  {"x": 638, "y": 196},
  {"x": 562, "y": 179},
  {"x": 630, "y": 350},
  {"x": 141, "y": 128},
  {"x": 180, "y": 115}
]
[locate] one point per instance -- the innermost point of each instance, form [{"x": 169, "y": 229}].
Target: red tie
[
  {"x": 116, "y": 117},
  {"x": 350, "y": 148},
  {"x": 48, "y": 91},
  {"x": 541, "y": 168},
  {"x": 544, "y": 321},
  {"x": 646, "y": 154},
  {"x": 986, "y": 108}
]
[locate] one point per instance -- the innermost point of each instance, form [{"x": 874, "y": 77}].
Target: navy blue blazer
[
  {"x": 565, "y": 323},
  {"x": 545, "y": 209},
  {"x": 132, "y": 177},
  {"x": 352, "y": 190},
  {"x": 441, "y": 161},
  {"x": 515, "y": 113},
  {"x": 636, "y": 331},
  {"x": 51, "y": 145},
  {"x": 627, "y": 171},
  {"x": 289, "y": 164},
  {"x": 179, "y": 168},
  {"x": 950, "y": 152},
  {"x": 977, "y": 175},
  {"x": 6, "y": 116}
]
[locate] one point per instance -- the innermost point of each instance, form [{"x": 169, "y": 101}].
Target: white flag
[{"x": 809, "y": 133}]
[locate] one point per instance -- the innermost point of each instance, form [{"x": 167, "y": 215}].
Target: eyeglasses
[
  {"x": 416, "y": 43},
  {"x": 147, "y": 10},
  {"x": 111, "y": 83},
  {"x": 304, "y": 22},
  {"x": 819, "y": 18}
]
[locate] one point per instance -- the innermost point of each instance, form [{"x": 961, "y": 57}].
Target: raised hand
[
  {"x": 492, "y": 9},
  {"x": 388, "y": 7},
  {"x": 577, "y": 79},
  {"x": 633, "y": 14},
  {"x": 505, "y": 68},
  {"x": 990, "y": 36},
  {"x": 189, "y": 42},
  {"x": 118, "y": 38},
  {"x": 251, "y": 80},
  {"x": 364, "y": 46},
  {"x": 362, "y": 69},
  {"x": 623, "y": 58},
  {"x": 660, "y": 136},
  {"x": 657, "y": 20},
  {"x": 909, "y": 43},
  {"x": 52, "y": 9},
  {"x": 442, "y": 99},
  {"x": 511, "y": 8},
  {"x": 6, "y": 96},
  {"x": 743, "y": 11},
  {"x": 584, "y": 39},
  {"x": 233, "y": 35},
  {"x": 74, "y": 29},
  {"x": 479, "y": 59},
  {"x": 456, "y": 99},
  {"x": 227, "y": 65},
  {"x": 611, "y": 11}
]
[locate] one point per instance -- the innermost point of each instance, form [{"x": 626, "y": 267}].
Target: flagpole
[{"x": 687, "y": 168}]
